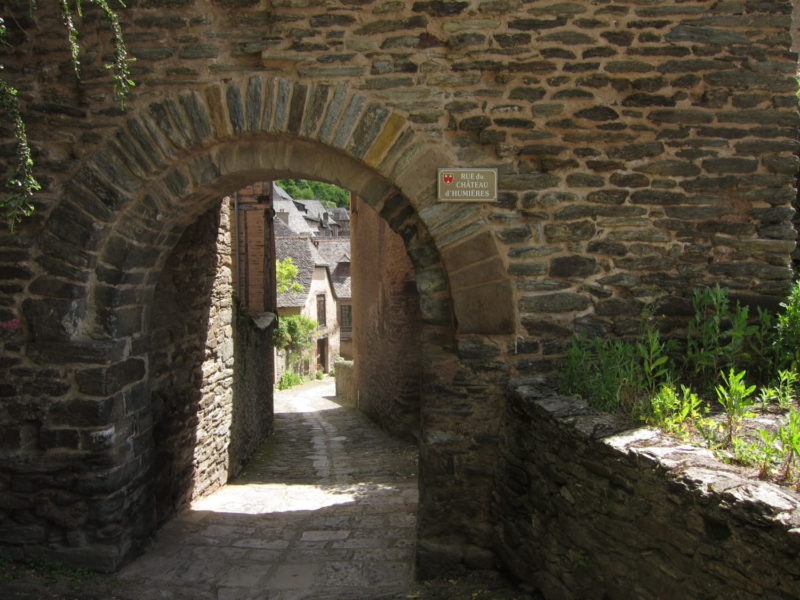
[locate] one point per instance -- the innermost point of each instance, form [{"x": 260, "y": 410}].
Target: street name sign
[{"x": 467, "y": 185}]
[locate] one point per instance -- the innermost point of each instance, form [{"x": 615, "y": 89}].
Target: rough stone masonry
[{"x": 643, "y": 148}]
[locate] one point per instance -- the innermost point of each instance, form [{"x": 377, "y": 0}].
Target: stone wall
[
  {"x": 183, "y": 384},
  {"x": 346, "y": 389},
  {"x": 386, "y": 324},
  {"x": 590, "y": 509},
  {"x": 251, "y": 415},
  {"x": 642, "y": 149},
  {"x": 211, "y": 369}
]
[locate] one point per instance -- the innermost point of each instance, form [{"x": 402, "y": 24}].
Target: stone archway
[{"x": 123, "y": 214}]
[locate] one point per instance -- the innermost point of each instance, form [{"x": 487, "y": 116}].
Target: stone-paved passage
[{"x": 326, "y": 510}]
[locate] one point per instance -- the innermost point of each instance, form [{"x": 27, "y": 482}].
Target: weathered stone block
[
  {"x": 112, "y": 379},
  {"x": 730, "y": 165},
  {"x": 574, "y": 231},
  {"x": 635, "y": 151},
  {"x": 85, "y": 412},
  {"x": 573, "y": 266},
  {"x": 558, "y": 302},
  {"x": 598, "y": 113}
]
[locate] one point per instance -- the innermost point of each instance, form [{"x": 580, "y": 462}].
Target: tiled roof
[
  {"x": 336, "y": 254},
  {"x": 286, "y": 211}
]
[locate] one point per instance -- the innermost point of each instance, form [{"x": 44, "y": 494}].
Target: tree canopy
[
  {"x": 304, "y": 189},
  {"x": 286, "y": 275}
]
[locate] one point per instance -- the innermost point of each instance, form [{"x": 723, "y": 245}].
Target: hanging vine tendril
[{"x": 16, "y": 198}]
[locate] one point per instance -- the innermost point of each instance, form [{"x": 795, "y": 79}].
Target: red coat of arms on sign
[{"x": 447, "y": 177}]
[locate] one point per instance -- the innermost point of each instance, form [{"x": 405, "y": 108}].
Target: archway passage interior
[{"x": 135, "y": 227}]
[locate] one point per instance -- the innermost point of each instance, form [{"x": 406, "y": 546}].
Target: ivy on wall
[{"x": 20, "y": 185}]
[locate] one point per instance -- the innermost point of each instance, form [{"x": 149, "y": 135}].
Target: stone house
[
  {"x": 316, "y": 301},
  {"x": 310, "y": 216},
  {"x": 335, "y": 252}
]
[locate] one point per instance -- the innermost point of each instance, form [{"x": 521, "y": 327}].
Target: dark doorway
[{"x": 322, "y": 355}]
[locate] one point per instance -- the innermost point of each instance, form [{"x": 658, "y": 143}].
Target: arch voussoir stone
[
  {"x": 236, "y": 116},
  {"x": 198, "y": 117},
  {"x": 333, "y": 112},
  {"x": 367, "y": 129},
  {"x": 348, "y": 121},
  {"x": 315, "y": 109},
  {"x": 297, "y": 107},
  {"x": 385, "y": 140}
]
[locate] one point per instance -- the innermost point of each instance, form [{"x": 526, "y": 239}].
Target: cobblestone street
[{"x": 326, "y": 509}]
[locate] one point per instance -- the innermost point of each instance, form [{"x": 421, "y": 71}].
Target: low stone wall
[
  {"x": 587, "y": 509},
  {"x": 346, "y": 389}
]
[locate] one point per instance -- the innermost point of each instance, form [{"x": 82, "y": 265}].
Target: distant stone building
[
  {"x": 316, "y": 301},
  {"x": 318, "y": 243},
  {"x": 335, "y": 252},
  {"x": 310, "y": 216}
]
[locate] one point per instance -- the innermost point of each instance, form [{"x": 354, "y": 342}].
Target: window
[
  {"x": 321, "y": 321},
  {"x": 346, "y": 321}
]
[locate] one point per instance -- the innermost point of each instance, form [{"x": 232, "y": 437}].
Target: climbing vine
[{"x": 19, "y": 187}]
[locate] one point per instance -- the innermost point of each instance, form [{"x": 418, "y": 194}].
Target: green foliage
[
  {"x": 303, "y": 189},
  {"x": 290, "y": 379},
  {"x": 674, "y": 412},
  {"x": 612, "y": 374},
  {"x": 20, "y": 185},
  {"x": 653, "y": 358},
  {"x": 768, "y": 453},
  {"x": 735, "y": 396},
  {"x": 286, "y": 276},
  {"x": 716, "y": 334},
  {"x": 639, "y": 378},
  {"x": 120, "y": 67},
  {"x": 295, "y": 335},
  {"x": 782, "y": 392},
  {"x": 787, "y": 342},
  {"x": 16, "y": 199},
  {"x": 761, "y": 351},
  {"x": 789, "y": 436}
]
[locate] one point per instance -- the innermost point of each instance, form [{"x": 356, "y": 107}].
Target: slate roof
[
  {"x": 336, "y": 254},
  {"x": 293, "y": 218},
  {"x": 295, "y": 237},
  {"x": 340, "y": 214}
]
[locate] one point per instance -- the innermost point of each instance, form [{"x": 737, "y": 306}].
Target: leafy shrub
[
  {"x": 289, "y": 379},
  {"x": 717, "y": 335},
  {"x": 735, "y": 397},
  {"x": 787, "y": 342},
  {"x": 612, "y": 374},
  {"x": 674, "y": 412},
  {"x": 640, "y": 378},
  {"x": 295, "y": 334}
]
